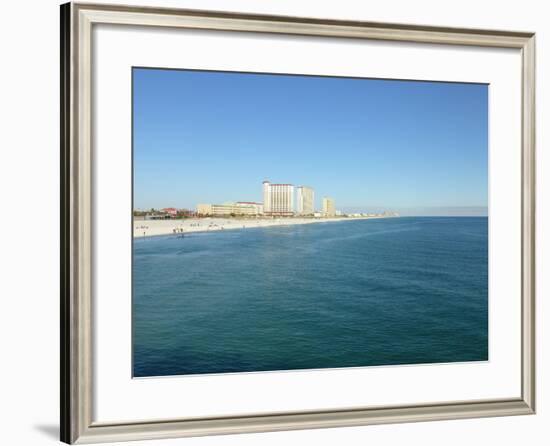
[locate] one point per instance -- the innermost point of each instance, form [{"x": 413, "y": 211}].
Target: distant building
[
  {"x": 278, "y": 199},
  {"x": 338, "y": 213},
  {"x": 185, "y": 213},
  {"x": 172, "y": 212},
  {"x": 156, "y": 216},
  {"x": 258, "y": 207},
  {"x": 328, "y": 207},
  {"x": 228, "y": 209},
  {"x": 204, "y": 209},
  {"x": 305, "y": 199}
]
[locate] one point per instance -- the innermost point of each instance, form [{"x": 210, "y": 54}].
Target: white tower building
[
  {"x": 267, "y": 197},
  {"x": 278, "y": 199}
]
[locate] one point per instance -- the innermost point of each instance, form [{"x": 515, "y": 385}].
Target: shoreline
[{"x": 152, "y": 228}]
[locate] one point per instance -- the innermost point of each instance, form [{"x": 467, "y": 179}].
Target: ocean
[{"x": 407, "y": 290}]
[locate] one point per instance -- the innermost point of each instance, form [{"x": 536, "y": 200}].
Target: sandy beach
[{"x": 148, "y": 228}]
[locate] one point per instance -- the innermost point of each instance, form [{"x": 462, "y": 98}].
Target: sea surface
[{"x": 404, "y": 290}]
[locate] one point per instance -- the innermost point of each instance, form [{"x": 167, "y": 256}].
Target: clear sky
[{"x": 211, "y": 137}]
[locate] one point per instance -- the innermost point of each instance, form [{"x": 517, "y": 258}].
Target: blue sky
[{"x": 210, "y": 137}]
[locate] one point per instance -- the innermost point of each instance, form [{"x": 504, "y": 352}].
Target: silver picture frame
[{"x": 77, "y": 22}]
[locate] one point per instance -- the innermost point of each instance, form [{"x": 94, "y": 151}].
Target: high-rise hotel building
[
  {"x": 305, "y": 199},
  {"x": 328, "y": 207},
  {"x": 278, "y": 199}
]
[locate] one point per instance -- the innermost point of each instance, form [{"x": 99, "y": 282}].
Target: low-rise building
[
  {"x": 172, "y": 212},
  {"x": 157, "y": 216},
  {"x": 228, "y": 209},
  {"x": 204, "y": 209},
  {"x": 185, "y": 213},
  {"x": 258, "y": 207}
]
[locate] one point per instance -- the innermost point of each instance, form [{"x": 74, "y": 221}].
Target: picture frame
[{"x": 77, "y": 232}]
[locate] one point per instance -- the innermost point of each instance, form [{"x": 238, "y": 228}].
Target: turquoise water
[{"x": 342, "y": 294}]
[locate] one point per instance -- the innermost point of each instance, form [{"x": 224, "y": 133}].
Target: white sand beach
[{"x": 148, "y": 228}]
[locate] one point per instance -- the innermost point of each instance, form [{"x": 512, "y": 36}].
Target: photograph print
[{"x": 288, "y": 222}]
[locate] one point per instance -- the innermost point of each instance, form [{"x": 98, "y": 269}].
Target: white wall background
[{"x": 29, "y": 147}]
